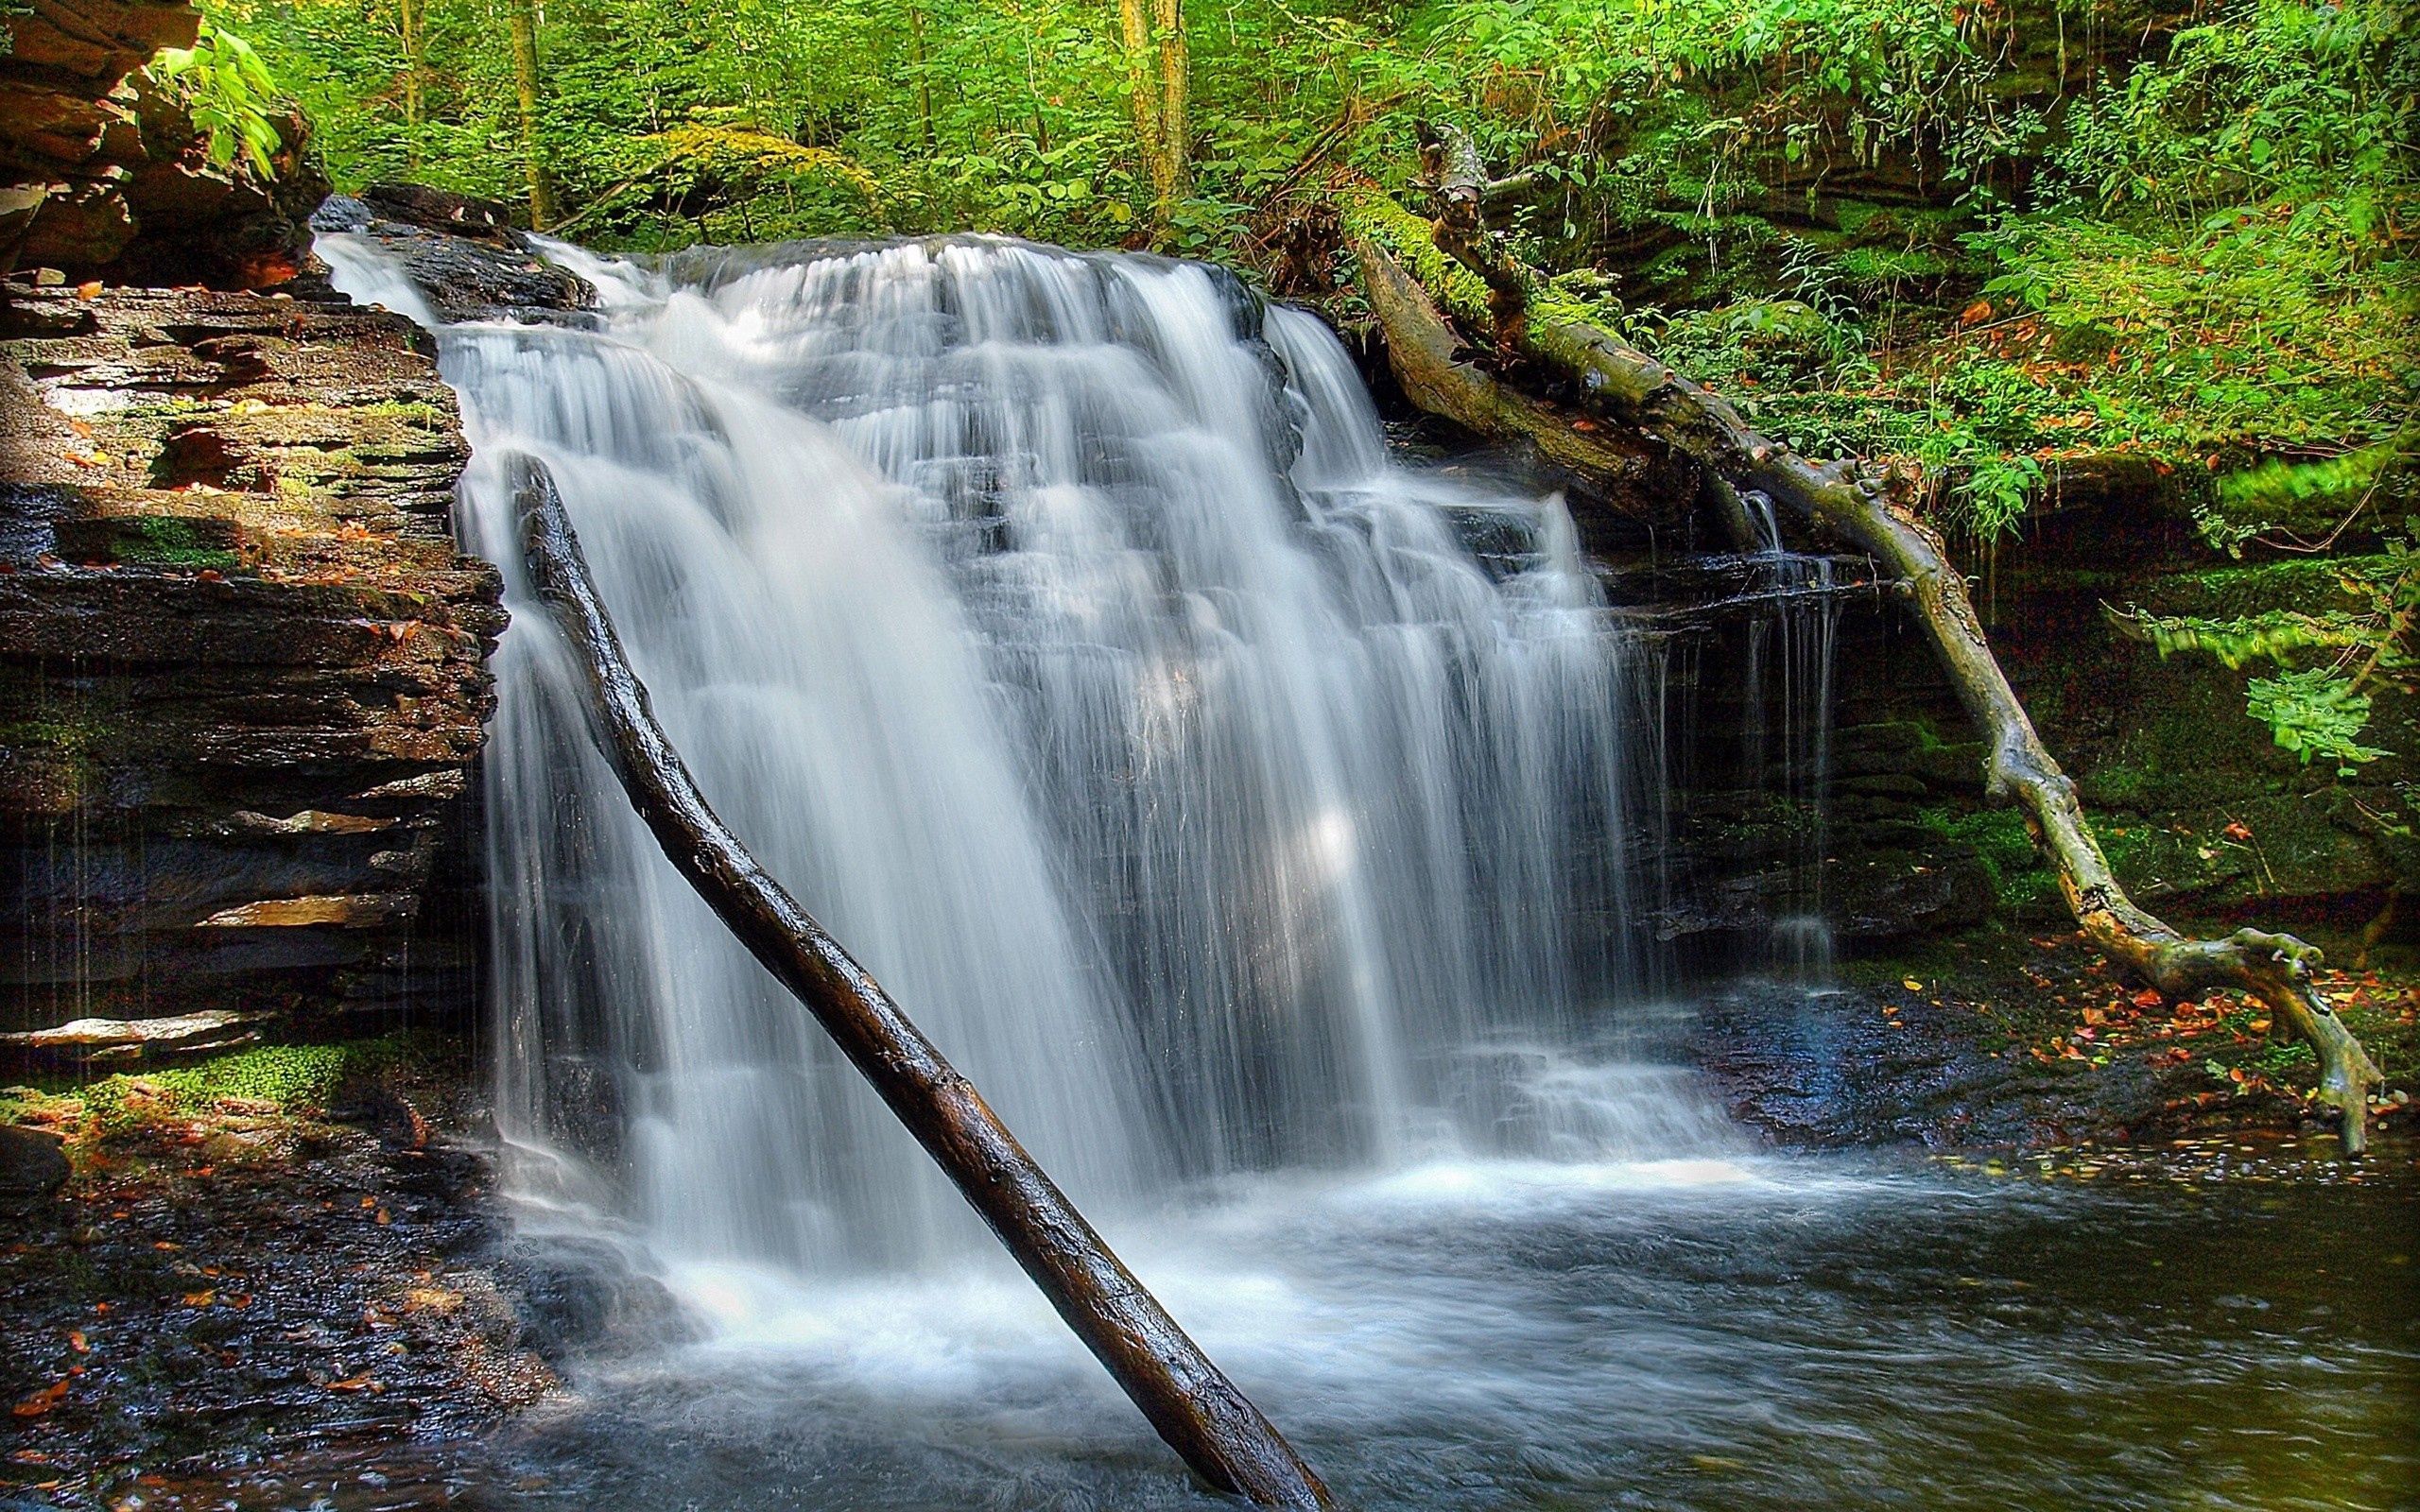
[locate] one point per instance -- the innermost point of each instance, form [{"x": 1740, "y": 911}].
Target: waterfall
[
  {"x": 1788, "y": 671},
  {"x": 1058, "y": 629}
]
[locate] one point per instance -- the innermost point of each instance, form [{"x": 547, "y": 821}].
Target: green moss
[
  {"x": 2000, "y": 841},
  {"x": 69, "y": 736},
  {"x": 2118, "y": 783},
  {"x": 169, "y": 541},
  {"x": 300, "y": 1078}
]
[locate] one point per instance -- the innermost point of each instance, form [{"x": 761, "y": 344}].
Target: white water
[
  {"x": 1259, "y": 852},
  {"x": 1058, "y": 629}
]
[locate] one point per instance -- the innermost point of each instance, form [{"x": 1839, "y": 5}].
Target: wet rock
[
  {"x": 32, "y": 1167},
  {"x": 467, "y": 260},
  {"x": 1831, "y": 1069},
  {"x": 230, "y": 1281},
  {"x": 242, "y": 662}
]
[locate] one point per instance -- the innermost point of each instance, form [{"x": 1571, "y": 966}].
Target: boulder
[
  {"x": 468, "y": 263},
  {"x": 33, "y": 1167}
]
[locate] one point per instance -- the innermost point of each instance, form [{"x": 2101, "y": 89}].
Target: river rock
[
  {"x": 463, "y": 253},
  {"x": 32, "y": 1167}
]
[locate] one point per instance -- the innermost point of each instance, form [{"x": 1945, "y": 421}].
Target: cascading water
[
  {"x": 1058, "y": 628},
  {"x": 1788, "y": 671}
]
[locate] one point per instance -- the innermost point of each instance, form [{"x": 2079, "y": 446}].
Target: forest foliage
[{"x": 2016, "y": 246}]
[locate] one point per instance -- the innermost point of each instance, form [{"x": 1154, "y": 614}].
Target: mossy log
[
  {"x": 1201, "y": 1414},
  {"x": 1420, "y": 289}
]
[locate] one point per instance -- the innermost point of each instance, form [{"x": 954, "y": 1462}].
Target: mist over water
[{"x": 1058, "y": 628}]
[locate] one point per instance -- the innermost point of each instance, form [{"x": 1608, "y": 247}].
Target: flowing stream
[{"x": 1252, "y": 817}]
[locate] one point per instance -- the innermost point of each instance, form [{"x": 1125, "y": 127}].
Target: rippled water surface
[{"x": 1757, "y": 1333}]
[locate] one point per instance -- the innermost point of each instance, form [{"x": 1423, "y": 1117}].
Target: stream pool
[{"x": 1764, "y": 1333}]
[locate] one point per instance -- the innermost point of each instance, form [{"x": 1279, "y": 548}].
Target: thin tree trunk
[
  {"x": 923, "y": 74},
  {"x": 1144, "y": 94},
  {"x": 1193, "y": 1405},
  {"x": 412, "y": 14},
  {"x": 1403, "y": 254},
  {"x": 524, "y": 18},
  {"x": 1175, "y": 78}
]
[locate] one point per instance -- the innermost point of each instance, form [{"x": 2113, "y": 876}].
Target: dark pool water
[{"x": 1737, "y": 1334}]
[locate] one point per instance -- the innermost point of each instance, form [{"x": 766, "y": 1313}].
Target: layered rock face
[
  {"x": 102, "y": 175},
  {"x": 2201, "y": 813},
  {"x": 242, "y": 665}
]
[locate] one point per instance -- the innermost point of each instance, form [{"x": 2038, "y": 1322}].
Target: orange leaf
[
  {"x": 41, "y": 1401},
  {"x": 360, "y": 1382}
]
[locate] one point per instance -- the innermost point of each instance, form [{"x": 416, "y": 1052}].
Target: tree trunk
[
  {"x": 524, "y": 18},
  {"x": 1193, "y": 1405},
  {"x": 1175, "y": 78},
  {"x": 412, "y": 17},
  {"x": 924, "y": 75},
  {"x": 1402, "y": 255},
  {"x": 1144, "y": 96}
]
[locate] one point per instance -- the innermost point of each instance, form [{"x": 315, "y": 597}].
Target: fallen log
[
  {"x": 1188, "y": 1399},
  {"x": 1844, "y": 500}
]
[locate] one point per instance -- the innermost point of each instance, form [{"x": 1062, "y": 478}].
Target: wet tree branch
[
  {"x": 1456, "y": 271},
  {"x": 1196, "y": 1408}
]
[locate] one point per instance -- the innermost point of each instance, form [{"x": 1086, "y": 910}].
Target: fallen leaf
[
  {"x": 360, "y": 1382},
  {"x": 201, "y": 1298},
  {"x": 1912, "y": 984},
  {"x": 41, "y": 1401},
  {"x": 77, "y": 1342}
]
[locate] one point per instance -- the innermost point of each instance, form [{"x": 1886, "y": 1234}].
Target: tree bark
[
  {"x": 1845, "y": 502},
  {"x": 1175, "y": 82},
  {"x": 524, "y": 19},
  {"x": 924, "y": 75},
  {"x": 1144, "y": 98},
  {"x": 1194, "y": 1406},
  {"x": 411, "y": 17}
]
